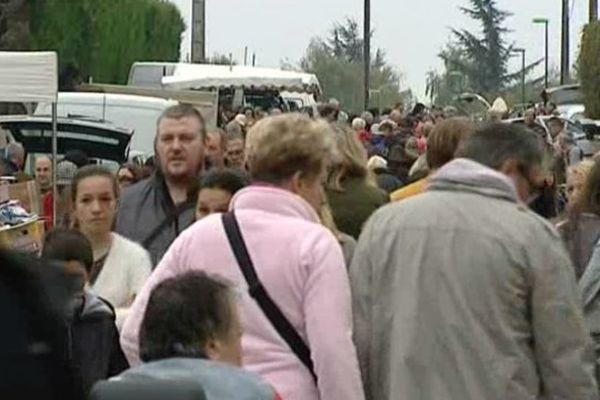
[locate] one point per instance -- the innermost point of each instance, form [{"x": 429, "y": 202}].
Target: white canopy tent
[
  {"x": 201, "y": 76},
  {"x": 32, "y": 77}
]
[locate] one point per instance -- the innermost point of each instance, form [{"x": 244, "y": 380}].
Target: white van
[{"x": 138, "y": 113}]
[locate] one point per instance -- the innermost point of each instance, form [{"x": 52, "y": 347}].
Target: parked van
[{"x": 138, "y": 113}]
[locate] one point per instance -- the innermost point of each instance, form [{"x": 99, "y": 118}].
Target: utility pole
[
  {"x": 367, "y": 50},
  {"x": 593, "y": 10},
  {"x": 565, "y": 51},
  {"x": 544, "y": 21},
  {"x": 198, "y": 31}
]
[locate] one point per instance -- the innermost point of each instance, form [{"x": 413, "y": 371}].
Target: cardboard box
[
  {"x": 27, "y": 237},
  {"x": 28, "y": 195}
]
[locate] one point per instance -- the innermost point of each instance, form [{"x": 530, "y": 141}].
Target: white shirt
[{"x": 123, "y": 275}]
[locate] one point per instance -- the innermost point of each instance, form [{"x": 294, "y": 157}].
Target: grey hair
[{"x": 495, "y": 143}]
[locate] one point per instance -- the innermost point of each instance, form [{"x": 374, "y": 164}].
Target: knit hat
[{"x": 65, "y": 172}]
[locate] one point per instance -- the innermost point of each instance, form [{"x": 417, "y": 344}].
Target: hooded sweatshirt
[{"x": 218, "y": 381}]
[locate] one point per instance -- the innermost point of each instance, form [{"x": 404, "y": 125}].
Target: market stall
[{"x": 26, "y": 77}]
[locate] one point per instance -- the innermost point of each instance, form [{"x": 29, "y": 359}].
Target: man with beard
[{"x": 155, "y": 211}]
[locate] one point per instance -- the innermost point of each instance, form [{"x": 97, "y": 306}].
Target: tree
[
  {"x": 102, "y": 38},
  {"x": 337, "y": 62},
  {"x": 220, "y": 59},
  {"x": 589, "y": 69},
  {"x": 478, "y": 62},
  {"x": 14, "y": 24}
]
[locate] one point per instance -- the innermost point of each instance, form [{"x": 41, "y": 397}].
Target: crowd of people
[{"x": 415, "y": 255}]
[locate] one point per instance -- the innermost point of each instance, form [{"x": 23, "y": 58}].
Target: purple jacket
[{"x": 301, "y": 266}]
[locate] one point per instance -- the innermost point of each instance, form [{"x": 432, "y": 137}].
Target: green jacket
[{"x": 353, "y": 206}]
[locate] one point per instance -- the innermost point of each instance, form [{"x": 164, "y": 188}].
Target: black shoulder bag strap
[
  {"x": 168, "y": 220},
  {"x": 258, "y": 293}
]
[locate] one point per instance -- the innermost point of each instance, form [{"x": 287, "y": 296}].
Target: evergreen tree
[
  {"x": 478, "y": 62},
  {"x": 338, "y": 62}
]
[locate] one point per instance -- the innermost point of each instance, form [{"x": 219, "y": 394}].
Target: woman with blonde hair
[
  {"x": 581, "y": 229},
  {"x": 273, "y": 229},
  {"x": 351, "y": 188}
]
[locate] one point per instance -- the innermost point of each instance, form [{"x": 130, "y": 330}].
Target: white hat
[
  {"x": 375, "y": 130},
  {"x": 241, "y": 119},
  {"x": 377, "y": 162}
]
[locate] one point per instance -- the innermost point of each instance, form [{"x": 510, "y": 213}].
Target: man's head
[
  {"x": 555, "y": 126},
  {"x": 206, "y": 323},
  {"x": 235, "y": 152},
  {"x": 368, "y": 117},
  {"x": 43, "y": 172},
  {"x": 529, "y": 116},
  {"x": 216, "y": 145},
  {"x": 445, "y": 139},
  {"x": 510, "y": 149},
  {"x": 72, "y": 249},
  {"x": 180, "y": 139},
  {"x": 328, "y": 112},
  {"x": 388, "y": 127},
  {"x": 396, "y": 116},
  {"x": 15, "y": 153}
]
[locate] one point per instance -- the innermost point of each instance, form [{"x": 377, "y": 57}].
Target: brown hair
[
  {"x": 279, "y": 147},
  {"x": 180, "y": 111},
  {"x": 90, "y": 171},
  {"x": 351, "y": 158},
  {"x": 446, "y": 139}
]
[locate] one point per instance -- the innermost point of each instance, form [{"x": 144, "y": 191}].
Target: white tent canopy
[
  {"x": 28, "y": 77},
  {"x": 201, "y": 76},
  {"x": 32, "y": 77}
]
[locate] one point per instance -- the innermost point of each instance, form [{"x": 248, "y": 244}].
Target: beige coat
[{"x": 462, "y": 293}]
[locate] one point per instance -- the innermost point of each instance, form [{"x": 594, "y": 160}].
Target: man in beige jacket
[{"x": 463, "y": 293}]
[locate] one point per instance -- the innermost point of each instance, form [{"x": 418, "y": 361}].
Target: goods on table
[{"x": 19, "y": 229}]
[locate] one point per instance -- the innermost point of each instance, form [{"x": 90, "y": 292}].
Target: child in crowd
[{"x": 93, "y": 340}]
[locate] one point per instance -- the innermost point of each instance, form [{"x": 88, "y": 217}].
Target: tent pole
[{"x": 54, "y": 162}]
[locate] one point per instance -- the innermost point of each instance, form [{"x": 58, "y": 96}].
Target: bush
[
  {"x": 102, "y": 38},
  {"x": 589, "y": 69}
]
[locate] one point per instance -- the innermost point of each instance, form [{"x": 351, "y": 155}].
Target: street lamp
[
  {"x": 544, "y": 21},
  {"x": 522, "y": 51}
]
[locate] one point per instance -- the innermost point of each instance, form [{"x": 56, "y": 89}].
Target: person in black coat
[
  {"x": 92, "y": 337},
  {"x": 32, "y": 346}
]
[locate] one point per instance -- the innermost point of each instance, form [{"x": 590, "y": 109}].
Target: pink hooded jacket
[{"x": 301, "y": 266}]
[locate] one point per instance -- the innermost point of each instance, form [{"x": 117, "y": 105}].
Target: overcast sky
[{"x": 412, "y": 32}]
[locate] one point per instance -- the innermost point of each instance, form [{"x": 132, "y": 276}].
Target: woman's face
[
  {"x": 95, "y": 205},
  {"x": 575, "y": 182},
  {"x": 211, "y": 201}
]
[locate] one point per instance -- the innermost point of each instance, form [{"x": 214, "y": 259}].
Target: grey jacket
[
  {"x": 580, "y": 234},
  {"x": 589, "y": 285},
  {"x": 463, "y": 293},
  {"x": 145, "y": 206},
  {"x": 219, "y": 381}
]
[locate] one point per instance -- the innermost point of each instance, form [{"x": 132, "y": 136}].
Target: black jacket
[
  {"x": 93, "y": 340},
  {"x": 146, "y": 206}
]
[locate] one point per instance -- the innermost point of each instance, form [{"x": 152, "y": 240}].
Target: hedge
[
  {"x": 589, "y": 69},
  {"x": 102, "y": 38}
]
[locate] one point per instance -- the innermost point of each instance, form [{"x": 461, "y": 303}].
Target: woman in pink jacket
[{"x": 298, "y": 261}]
